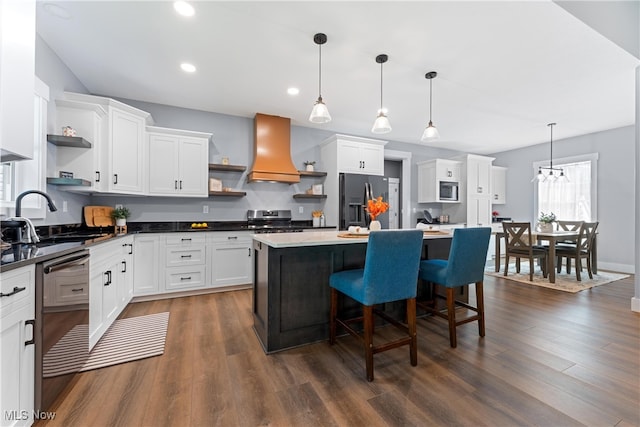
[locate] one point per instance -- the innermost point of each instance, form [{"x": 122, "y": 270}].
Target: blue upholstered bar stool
[
  {"x": 390, "y": 274},
  {"x": 467, "y": 258}
]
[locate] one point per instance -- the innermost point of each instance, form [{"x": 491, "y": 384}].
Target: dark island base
[{"x": 291, "y": 290}]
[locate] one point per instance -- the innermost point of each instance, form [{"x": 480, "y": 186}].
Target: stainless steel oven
[{"x": 62, "y": 324}]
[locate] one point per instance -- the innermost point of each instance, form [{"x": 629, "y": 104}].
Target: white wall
[{"x": 615, "y": 188}]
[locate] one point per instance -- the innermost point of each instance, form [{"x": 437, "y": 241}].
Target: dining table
[{"x": 552, "y": 237}]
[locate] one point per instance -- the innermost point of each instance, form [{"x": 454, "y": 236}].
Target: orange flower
[{"x": 376, "y": 207}]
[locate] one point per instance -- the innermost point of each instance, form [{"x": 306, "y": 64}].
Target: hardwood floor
[{"x": 549, "y": 358}]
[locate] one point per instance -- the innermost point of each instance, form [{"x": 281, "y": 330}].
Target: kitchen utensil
[{"x": 427, "y": 217}]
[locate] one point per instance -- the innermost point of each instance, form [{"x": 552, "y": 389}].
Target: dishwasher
[{"x": 61, "y": 324}]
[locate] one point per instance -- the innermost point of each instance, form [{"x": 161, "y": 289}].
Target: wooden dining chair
[
  {"x": 519, "y": 244},
  {"x": 582, "y": 249},
  {"x": 567, "y": 226}
]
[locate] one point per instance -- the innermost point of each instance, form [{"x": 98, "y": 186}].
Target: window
[
  {"x": 16, "y": 177},
  {"x": 574, "y": 200}
]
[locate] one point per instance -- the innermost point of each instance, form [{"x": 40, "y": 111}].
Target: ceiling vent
[{"x": 272, "y": 151}]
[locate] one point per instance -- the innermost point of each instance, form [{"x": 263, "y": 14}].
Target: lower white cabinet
[
  {"x": 111, "y": 284},
  {"x": 146, "y": 260},
  {"x": 185, "y": 261},
  {"x": 230, "y": 260},
  {"x": 17, "y": 313}
]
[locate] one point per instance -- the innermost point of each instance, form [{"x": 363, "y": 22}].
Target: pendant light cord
[
  {"x": 551, "y": 146},
  {"x": 320, "y": 72},
  {"x": 381, "y": 104},
  {"x": 430, "y": 97}
]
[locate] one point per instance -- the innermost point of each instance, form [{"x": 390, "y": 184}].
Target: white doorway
[{"x": 394, "y": 202}]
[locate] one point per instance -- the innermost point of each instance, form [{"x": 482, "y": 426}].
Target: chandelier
[{"x": 549, "y": 173}]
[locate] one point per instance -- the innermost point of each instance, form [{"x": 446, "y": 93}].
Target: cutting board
[{"x": 98, "y": 216}]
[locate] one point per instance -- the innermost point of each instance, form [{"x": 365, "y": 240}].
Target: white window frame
[{"x": 592, "y": 157}]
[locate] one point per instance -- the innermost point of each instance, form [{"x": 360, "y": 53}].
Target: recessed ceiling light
[
  {"x": 56, "y": 10},
  {"x": 184, "y": 8},
  {"x": 189, "y": 68},
  {"x": 293, "y": 91}
]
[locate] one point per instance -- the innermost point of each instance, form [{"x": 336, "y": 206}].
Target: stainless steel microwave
[{"x": 448, "y": 191}]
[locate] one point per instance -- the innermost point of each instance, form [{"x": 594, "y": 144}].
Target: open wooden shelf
[
  {"x": 68, "y": 141},
  {"x": 226, "y": 168},
  {"x": 68, "y": 181},
  {"x": 314, "y": 174},
  {"x": 309, "y": 196},
  {"x": 228, "y": 193}
]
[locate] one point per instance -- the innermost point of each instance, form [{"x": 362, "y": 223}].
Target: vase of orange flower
[{"x": 375, "y": 208}]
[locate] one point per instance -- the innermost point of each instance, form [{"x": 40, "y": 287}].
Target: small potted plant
[
  {"x": 309, "y": 165},
  {"x": 120, "y": 214},
  {"x": 545, "y": 222}
]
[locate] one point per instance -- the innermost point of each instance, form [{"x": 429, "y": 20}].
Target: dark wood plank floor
[{"x": 548, "y": 359}]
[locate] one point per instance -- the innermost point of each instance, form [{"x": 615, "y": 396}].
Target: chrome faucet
[{"x": 52, "y": 208}]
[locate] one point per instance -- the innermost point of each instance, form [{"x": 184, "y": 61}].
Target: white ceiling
[{"x": 505, "y": 69}]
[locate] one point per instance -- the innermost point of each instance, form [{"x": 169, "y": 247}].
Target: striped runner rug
[{"x": 129, "y": 339}]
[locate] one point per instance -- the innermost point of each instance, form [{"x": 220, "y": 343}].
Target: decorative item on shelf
[
  {"x": 320, "y": 113},
  {"x": 309, "y": 165},
  {"x": 64, "y": 174},
  {"x": 430, "y": 132},
  {"x": 494, "y": 215},
  {"x": 225, "y": 160},
  {"x": 551, "y": 174},
  {"x": 215, "y": 184},
  {"x": 120, "y": 214},
  {"x": 317, "y": 189},
  {"x": 317, "y": 217},
  {"x": 68, "y": 131},
  {"x": 381, "y": 125},
  {"x": 545, "y": 222},
  {"x": 375, "y": 208}
]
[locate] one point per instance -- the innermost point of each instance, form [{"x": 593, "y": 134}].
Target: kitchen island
[{"x": 291, "y": 282}]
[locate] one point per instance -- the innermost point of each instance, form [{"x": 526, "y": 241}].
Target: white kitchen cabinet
[
  {"x": 110, "y": 284},
  {"x": 178, "y": 162},
  {"x": 478, "y": 171},
  {"x": 123, "y": 144},
  {"x": 85, "y": 163},
  {"x": 354, "y": 154},
  {"x": 478, "y": 211},
  {"x": 147, "y": 261},
  {"x": 431, "y": 173},
  {"x": 17, "y": 80},
  {"x": 498, "y": 185},
  {"x": 17, "y": 362},
  {"x": 185, "y": 261},
  {"x": 230, "y": 258}
]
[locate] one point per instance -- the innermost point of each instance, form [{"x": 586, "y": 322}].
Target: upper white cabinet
[
  {"x": 431, "y": 173},
  {"x": 498, "y": 185},
  {"x": 354, "y": 155},
  {"x": 17, "y": 79},
  {"x": 478, "y": 169},
  {"x": 178, "y": 162},
  {"x": 121, "y": 142}
]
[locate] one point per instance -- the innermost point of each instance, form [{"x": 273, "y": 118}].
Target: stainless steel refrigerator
[{"x": 355, "y": 190}]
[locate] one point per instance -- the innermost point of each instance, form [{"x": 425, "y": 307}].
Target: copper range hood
[{"x": 272, "y": 151}]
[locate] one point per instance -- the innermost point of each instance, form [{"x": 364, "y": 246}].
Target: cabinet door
[
  {"x": 479, "y": 177},
  {"x": 146, "y": 255},
  {"x": 479, "y": 212},
  {"x": 163, "y": 164},
  {"x": 127, "y": 148},
  {"x": 448, "y": 170},
  {"x": 231, "y": 264},
  {"x": 96, "y": 282},
  {"x": 193, "y": 167},
  {"x": 125, "y": 274},
  {"x": 372, "y": 157},
  {"x": 427, "y": 183},
  {"x": 499, "y": 185},
  {"x": 349, "y": 160},
  {"x": 110, "y": 302}
]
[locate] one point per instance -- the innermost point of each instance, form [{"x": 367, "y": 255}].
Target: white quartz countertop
[{"x": 319, "y": 238}]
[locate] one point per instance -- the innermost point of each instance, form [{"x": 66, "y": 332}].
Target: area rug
[
  {"x": 564, "y": 282},
  {"x": 129, "y": 339}
]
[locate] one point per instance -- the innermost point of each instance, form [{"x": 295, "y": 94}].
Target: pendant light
[
  {"x": 430, "y": 132},
  {"x": 320, "y": 113},
  {"x": 549, "y": 172},
  {"x": 381, "y": 125}
]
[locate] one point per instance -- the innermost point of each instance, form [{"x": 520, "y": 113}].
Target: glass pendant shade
[
  {"x": 320, "y": 112},
  {"x": 381, "y": 125},
  {"x": 430, "y": 133}
]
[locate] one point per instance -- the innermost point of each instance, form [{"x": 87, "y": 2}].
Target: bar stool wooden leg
[
  {"x": 411, "y": 323},
  {"x": 368, "y": 339},
  {"x": 451, "y": 315},
  {"x": 480, "y": 306},
  {"x": 333, "y": 312}
]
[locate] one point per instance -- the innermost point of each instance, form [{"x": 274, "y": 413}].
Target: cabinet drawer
[
  {"x": 185, "y": 239},
  {"x": 185, "y": 278},
  {"x": 225, "y": 237},
  {"x": 185, "y": 256},
  {"x": 71, "y": 293},
  {"x": 17, "y": 287}
]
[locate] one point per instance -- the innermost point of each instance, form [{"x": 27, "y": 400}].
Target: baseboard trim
[
  {"x": 618, "y": 268},
  {"x": 635, "y": 304},
  {"x": 154, "y": 297}
]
